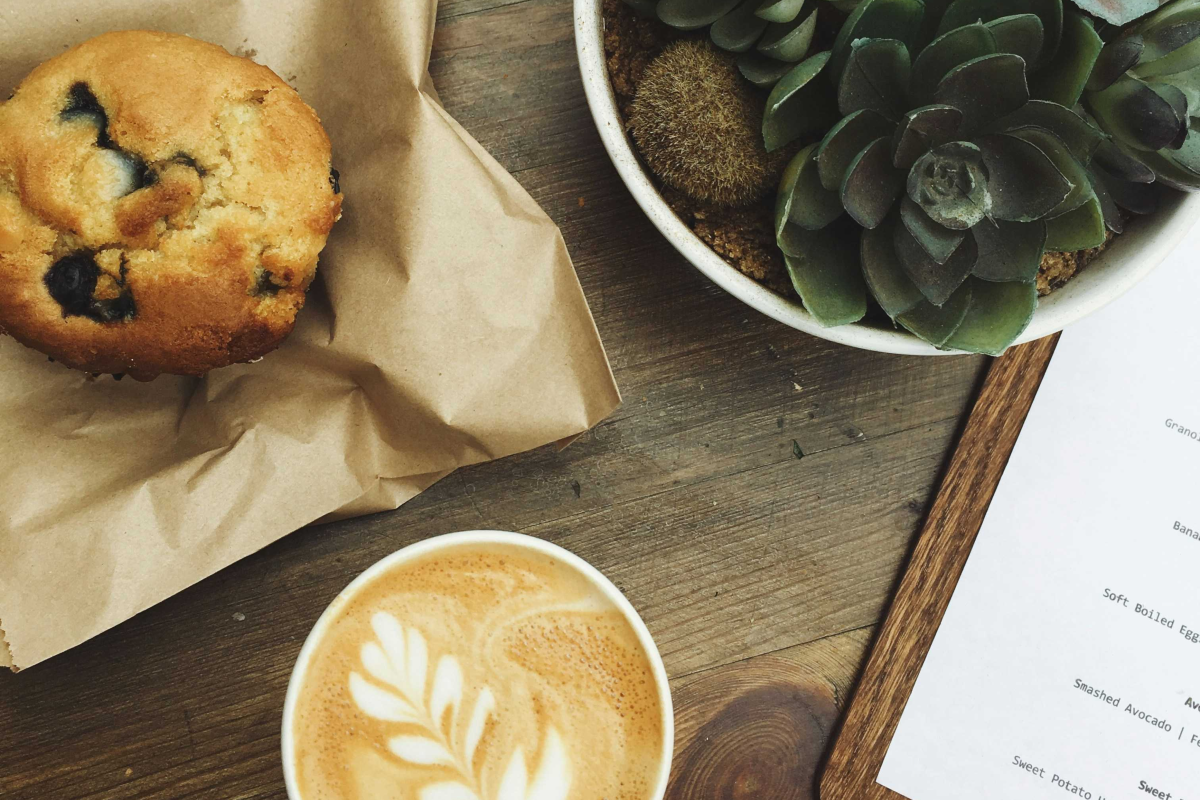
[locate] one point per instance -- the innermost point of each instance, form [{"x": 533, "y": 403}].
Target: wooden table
[{"x": 761, "y": 573}]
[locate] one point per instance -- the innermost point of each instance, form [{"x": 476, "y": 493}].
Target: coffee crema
[{"x": 478, "y": 672}]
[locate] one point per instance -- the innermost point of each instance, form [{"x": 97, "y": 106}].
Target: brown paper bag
[{"x": 446, "y": 328}]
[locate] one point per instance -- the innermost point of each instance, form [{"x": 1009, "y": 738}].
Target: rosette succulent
[
  {"x": 1145, "y": 91},
  {"x": 768, "y": 36},
  {"x": 957, "y": 161}
]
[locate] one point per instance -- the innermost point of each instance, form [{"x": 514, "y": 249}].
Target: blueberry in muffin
[{"x": 162, "y": 206}]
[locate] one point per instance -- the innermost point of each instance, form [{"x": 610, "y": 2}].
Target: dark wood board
[
  {"x": 752, "y": 568},
  {"x": 932, "y": 574}
]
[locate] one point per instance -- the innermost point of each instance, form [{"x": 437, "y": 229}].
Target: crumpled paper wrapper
[{"x": 446, "y": 328}]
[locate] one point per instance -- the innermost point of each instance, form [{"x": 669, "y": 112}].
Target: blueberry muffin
[{"x": 162, "y": 206}]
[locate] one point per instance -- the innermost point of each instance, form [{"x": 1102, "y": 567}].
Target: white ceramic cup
[
  {"x": 535, "y": 545},
  {"x": 1130, "y": 258}
]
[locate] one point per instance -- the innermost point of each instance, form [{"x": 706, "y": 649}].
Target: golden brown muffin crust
[{"x": 190, "y": 186}]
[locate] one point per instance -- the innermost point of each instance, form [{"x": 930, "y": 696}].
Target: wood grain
[
  {"x": 757, "y": 728},
  {"x": 690, "y": 496},
  {"x": 928, "y": 584}
]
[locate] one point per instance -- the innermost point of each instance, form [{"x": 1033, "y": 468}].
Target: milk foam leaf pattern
[
  {"x": 957, "y": 178},
  {"x": 448, "y": 791},
  {"x": 551, "y": 780},
  {"x": 436, "y": 734},
  {"x": 1145, "y": 92},
  {"x": 485, "y": 705},
  {"x": 379, "y": 703},
  {"x": 447, "y": 689},
  {"x": 421, "y": 750}
]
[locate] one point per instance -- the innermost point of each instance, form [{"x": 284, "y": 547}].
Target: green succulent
[
  {"x": 768, "y": 36},
  {"x": 1145, "y": 91},
  {"x": 957, "y": 162}
]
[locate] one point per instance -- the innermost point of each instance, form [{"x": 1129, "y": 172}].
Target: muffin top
[{"x": 162, "y": 206}]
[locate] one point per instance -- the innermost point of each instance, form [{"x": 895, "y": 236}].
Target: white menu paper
[{"x": 1068, "y": 662}]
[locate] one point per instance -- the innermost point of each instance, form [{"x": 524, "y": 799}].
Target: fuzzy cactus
[{"x": 696, "y": 124}]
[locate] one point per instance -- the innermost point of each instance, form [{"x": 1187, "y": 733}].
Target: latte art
[
  {"x": 399, "y": 661},
  {"x": 478, "y": 673}
]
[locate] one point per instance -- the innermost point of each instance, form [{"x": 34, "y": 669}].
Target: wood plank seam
[
  {"x": 737, "y": 473},
  {"x": 485, "y": 10},
  {"x": 807, "y": 643}
]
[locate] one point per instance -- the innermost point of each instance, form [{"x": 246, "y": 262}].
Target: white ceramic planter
[{"x": 1130, "y": 258}]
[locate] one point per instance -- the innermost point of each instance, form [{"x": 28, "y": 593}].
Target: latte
[{"x": 481, "y": 670}]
